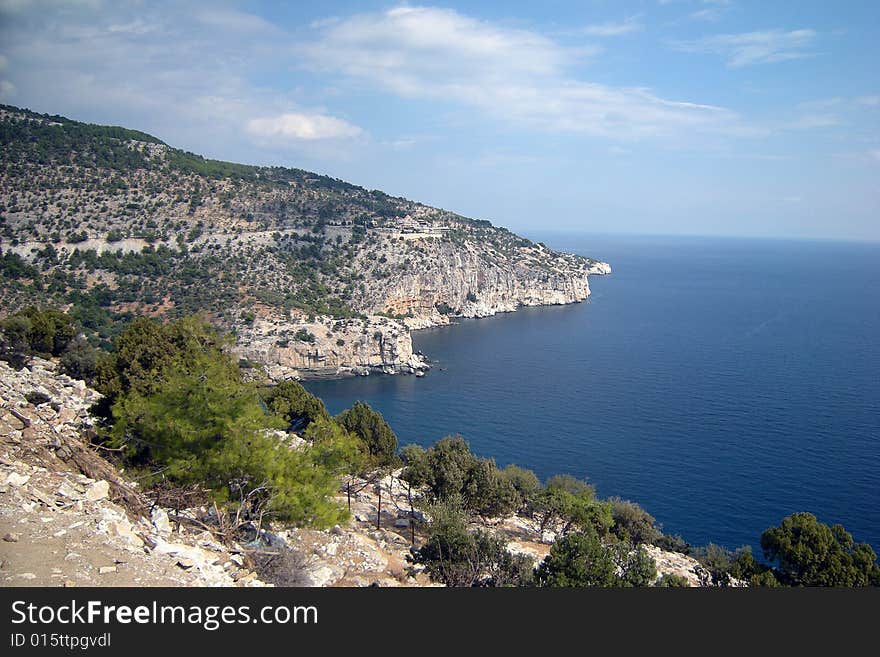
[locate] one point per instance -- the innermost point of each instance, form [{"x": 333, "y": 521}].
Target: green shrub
[
  {"x": 632, "y": 522},
  {"x": 580, "y": 559},
  {"x": 80, "y": 360},
  {"x": 450, "y": 470},
  {"x": 568, "y": 503},
  {"x": 31, "y": 332},
  {"x": 810, "y": 553},
  {"x": 180, "y": 407},
  {"x": 458, "y": 557},
  {"x": 296, "y": 405},
  {"x": 672, "y": 581},
  {"x": 304, "y": 335},
  {"x": 378, "y": 440}
]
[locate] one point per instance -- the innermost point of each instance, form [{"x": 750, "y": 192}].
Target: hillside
[
  {"x": 68, "y": 517},
  {"x": 314, "y": 275}
]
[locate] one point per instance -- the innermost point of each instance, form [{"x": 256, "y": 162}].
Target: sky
[{"x": 697, "y": 117}]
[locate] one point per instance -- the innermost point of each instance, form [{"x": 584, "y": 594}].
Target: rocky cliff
[{"x": 315, "y": 275}]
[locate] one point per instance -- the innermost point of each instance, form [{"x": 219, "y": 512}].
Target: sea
[{"x": 721, "y": 383}]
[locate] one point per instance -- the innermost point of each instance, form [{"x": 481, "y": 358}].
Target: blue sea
[{"x": 721, "y": 383}]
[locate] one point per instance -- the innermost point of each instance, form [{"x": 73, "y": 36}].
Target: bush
[
  {"x": 379, "y": 441},
  {"x": 672, "y": 581},
  {"x": 632, "y": 522},
  {"x": 15, "y": 347},
  {"x": 673, "y": 543},
  {"x": 450, "y": 470},
  {"x": 717, "y": 560},
  {"x": 304, "y": 335},
  {"x": 810, "y": 553},
  {"x": 296, "y": 405},
  {"x": 31, "y": 332},
  {"x": 567, "y": 503},
  {"x": 180, "y": 407},
  {"x": 80, "y": 361},
  {"x": 526, "y": 485},
  {"x": 580, "y": 559},
  {"x": 458, "y": 557}
]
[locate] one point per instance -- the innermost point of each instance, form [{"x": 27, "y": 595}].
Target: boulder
[
  {"x": 97, "y": 491},
  {"x": 16, "y": 479},
  {"x": 161, "y": 521}
]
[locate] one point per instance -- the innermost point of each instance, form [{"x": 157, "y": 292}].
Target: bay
[{"x": 720, "y": 383}]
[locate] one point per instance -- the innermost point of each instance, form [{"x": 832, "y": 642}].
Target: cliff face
[
  {"x": 334, "y": 348},
  {"x": 110, "y": 223},
  {"x": 470, "y": 278},
  {"x": 465, "y": 284}
]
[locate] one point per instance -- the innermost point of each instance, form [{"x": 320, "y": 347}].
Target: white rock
[
  {"x": 15, "y": 479},
  {"x": 66, "y": 490},
  {"x": 322, "y": 576},
  {"x": 97, "y": 491},
  {"x": 161, "y": 521},
  {"x": 123, "y": 530}
]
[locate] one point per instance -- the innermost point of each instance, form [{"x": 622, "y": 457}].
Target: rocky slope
[
  {"x": 316, "y": 276},
  {"x": 60, "y": 527}
]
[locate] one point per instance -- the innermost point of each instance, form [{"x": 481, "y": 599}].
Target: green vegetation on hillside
[{"x": 118, "y": 224}]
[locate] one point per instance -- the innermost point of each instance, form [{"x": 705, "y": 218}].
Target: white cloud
[
  {"x": 875, "y": 155},
  {"x": 713, "y": 10},
  {"x": 869, "y": 101},
  {"x": 303, "y": 126},
  {"x": 708, "y": 14},
  {"x": 748, "y": 48},
  {"x": 812, "y": 121},
  {"x": 23, "y": 6},
  {"x": 511, "y": 74},
  {"x": 613, "y": 29},
  {"x": 821, "y": 104},
  {"x": 7, "y": 90},
  {"x": 235, "y": 21}
]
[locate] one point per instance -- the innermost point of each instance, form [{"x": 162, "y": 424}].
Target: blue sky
[{"x": 707, "y": 117}]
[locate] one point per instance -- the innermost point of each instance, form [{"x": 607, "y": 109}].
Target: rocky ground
[{"x": 61, "y": 527}]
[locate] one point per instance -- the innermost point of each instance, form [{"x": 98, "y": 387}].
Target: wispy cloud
[
  {"x": 519, "y": 76},
  {"x": 614, "y": 28},
  {"x": 231, "y": 20},
  {"x": 813, "y": 121},
  {"x": 303, "y": 126},
  {"x": 712, "y": 10},
  {"x": 749, "y": 48}
]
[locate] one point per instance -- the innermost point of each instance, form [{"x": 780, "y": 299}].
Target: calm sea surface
[{"x": 722, "y": 384}]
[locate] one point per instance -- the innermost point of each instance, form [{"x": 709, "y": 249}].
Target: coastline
[{"x": 417, "y": 363}]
